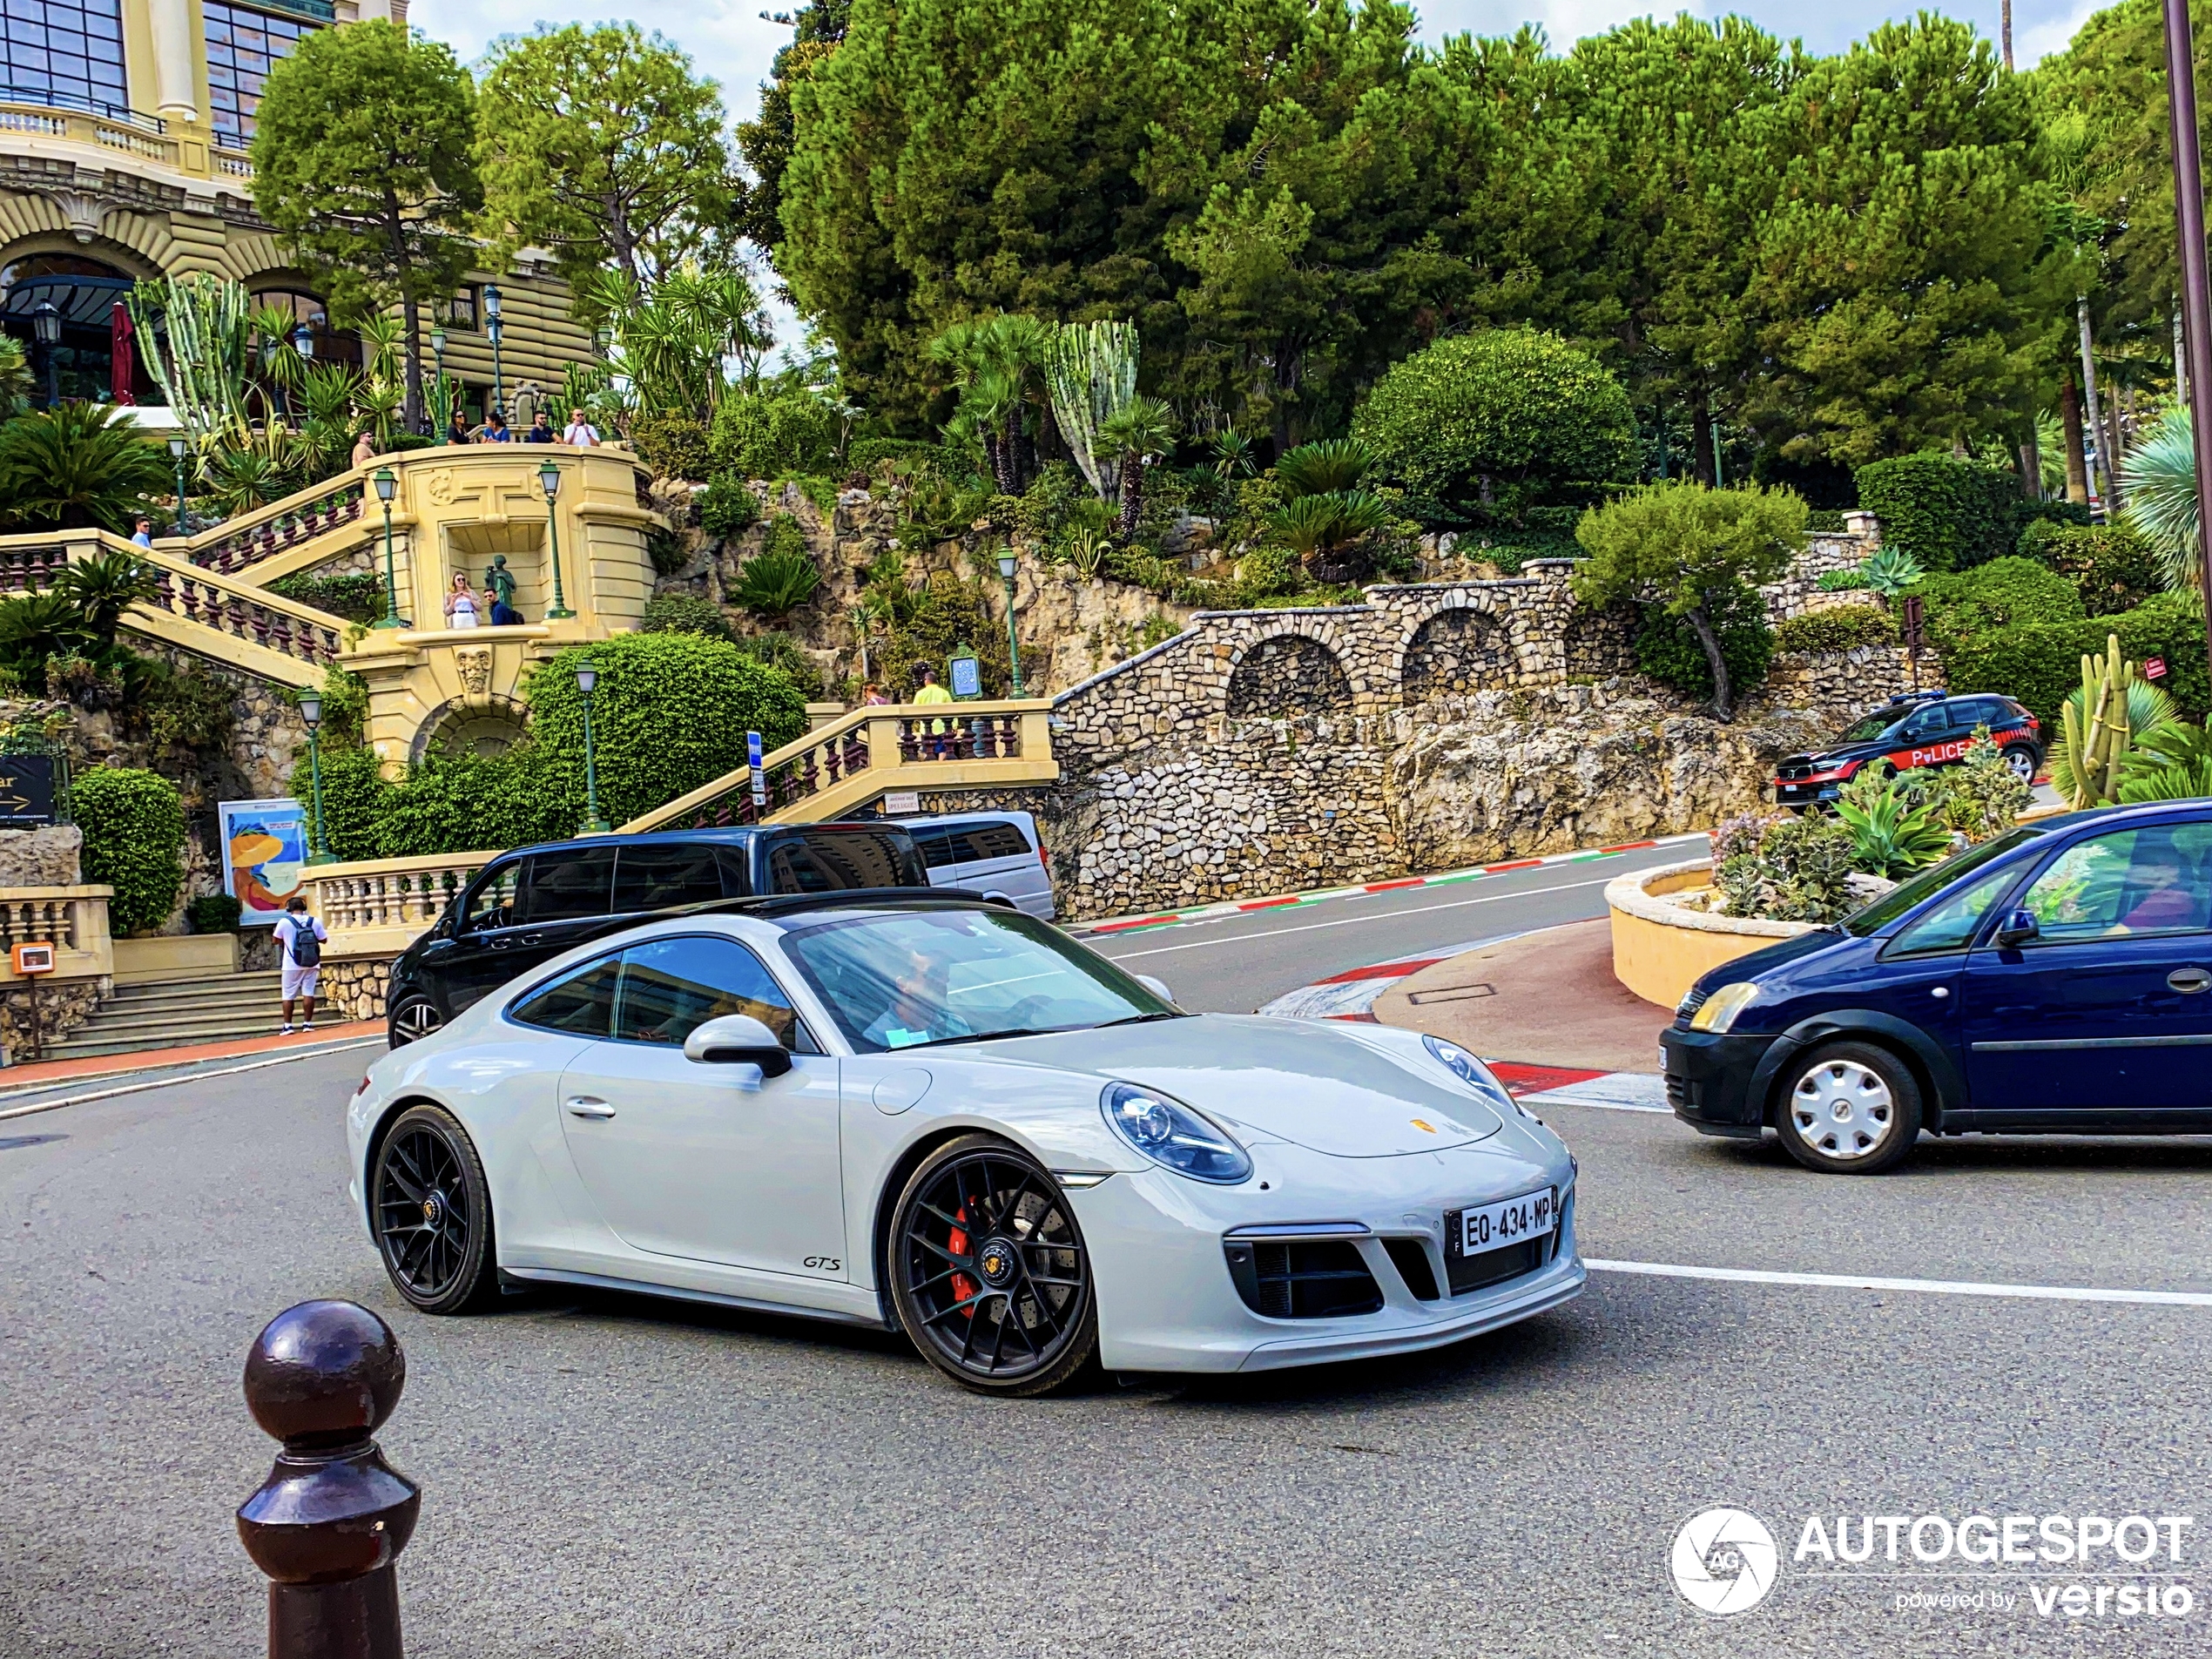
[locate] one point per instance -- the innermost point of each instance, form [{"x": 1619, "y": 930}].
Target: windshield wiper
[{"x": 1141, "y": 1018}]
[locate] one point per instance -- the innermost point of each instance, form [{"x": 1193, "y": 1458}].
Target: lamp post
[
  {"x": 586, "y": 677},
  {"x": 2197, "y": 302},
  {"x": 178, "y": 450},
  {"x": 1012, "y": 640},
  {"x": 311, "y": 715},
  {"x": 493, "y": 331},
  {"x": 387, "y": 487},
  {"x": 439, "y": 413},
  {"x": 46, "y": 329},
  {"x": 550, "y": 476}
]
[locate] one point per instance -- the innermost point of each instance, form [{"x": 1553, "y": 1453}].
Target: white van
[{"x": 997, "y": 854}]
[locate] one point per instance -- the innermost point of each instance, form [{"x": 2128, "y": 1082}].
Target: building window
[
  {"x": 64, "y": 52},
  {"x": 458, "y": 313},
  {"x": 242, "y": 45},
  {"x": 331, "y": 345}
]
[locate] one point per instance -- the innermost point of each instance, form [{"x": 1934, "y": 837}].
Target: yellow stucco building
[{"x": 124, "y": 132}]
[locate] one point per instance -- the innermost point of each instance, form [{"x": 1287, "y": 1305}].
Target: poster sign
[
  {"x": 265, "y": 854},
  {"x": 902, "y": 803},
  {"x": 752, "y": 761},
  {"x": 26, "y": 791}
]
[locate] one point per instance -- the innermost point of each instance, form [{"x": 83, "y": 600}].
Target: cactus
[{"x": 2098, "y": 723}]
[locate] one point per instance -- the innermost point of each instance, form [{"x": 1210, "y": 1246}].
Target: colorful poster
[{"x": 265, "y": 853}]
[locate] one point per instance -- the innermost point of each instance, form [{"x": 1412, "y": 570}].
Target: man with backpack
[{"x": 299, "y": 940}]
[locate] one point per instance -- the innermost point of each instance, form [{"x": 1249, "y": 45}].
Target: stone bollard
[{"x": 333, "y": 1516}]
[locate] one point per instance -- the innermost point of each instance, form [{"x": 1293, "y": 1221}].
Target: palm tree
[
  {"x": 2161, "y": 477},
  {"x": 102, "y": 587},
  {"x": 15, "y": 377},
  {"x": 281, "y": 363},
  {"x": 1140, "y": 432},
  {"x": 78, "y": 467}
]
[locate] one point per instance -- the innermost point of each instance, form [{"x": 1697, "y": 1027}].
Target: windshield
[
  {"x": 1932, "y": 881},
  {"x": 906, "y": 979},
  {"x": 1869, "y": 727}
]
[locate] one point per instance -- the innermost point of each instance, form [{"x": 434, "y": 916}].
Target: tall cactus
[
  {"x": 2099, "y": 728},
  {"x": 1091, "y": 368}
]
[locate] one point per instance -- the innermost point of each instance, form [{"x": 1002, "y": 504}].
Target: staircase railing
[{"x": 234, "y": 545}]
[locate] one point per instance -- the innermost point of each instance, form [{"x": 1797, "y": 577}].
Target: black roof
[{"x": 727, "y": 835}]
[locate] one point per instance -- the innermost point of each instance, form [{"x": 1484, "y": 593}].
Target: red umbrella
[{"x": 122, "y": 360}]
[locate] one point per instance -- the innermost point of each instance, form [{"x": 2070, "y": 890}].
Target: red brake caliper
[{"x": 963, "y": 1286}]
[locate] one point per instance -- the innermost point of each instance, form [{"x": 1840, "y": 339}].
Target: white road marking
[
  {"x": 1347, "y": 921},
  {"x": 188, "y": 1077},
  {"x": 1918, "y": 1286}
]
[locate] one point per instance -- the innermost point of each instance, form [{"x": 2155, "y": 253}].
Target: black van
[{"x": 527, "y": 907}]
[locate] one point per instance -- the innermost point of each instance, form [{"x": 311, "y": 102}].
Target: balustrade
[
  {"x": 252, "y": 619},
  {"x": 287, "y": 530},
  {"x": 924, "y": 738},
  {"x": 407, "y": 893}
]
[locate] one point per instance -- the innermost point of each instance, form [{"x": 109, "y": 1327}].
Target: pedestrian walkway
[{"x": 20, "y": 1082}]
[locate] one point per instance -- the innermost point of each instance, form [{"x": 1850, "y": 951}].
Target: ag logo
[{"x": 1724, "y": 1562}]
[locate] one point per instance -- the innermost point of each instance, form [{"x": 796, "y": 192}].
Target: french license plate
[{"x": 1516, "y": 1220}]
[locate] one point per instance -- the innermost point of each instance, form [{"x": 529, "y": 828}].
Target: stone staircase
[{"x": 166, "y": 1013}]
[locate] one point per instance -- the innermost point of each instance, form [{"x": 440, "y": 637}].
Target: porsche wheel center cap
[
  {"x": 434, "y": 1209},
  {"x": 996, "y": 1262}
]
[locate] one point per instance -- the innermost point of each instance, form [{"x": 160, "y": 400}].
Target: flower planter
[{"x": 1659, "y": 949}]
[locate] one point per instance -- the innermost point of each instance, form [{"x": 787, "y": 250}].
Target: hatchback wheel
[
  {"x": 2021, "y": 760},
  {"x": 1850, "y": 1109},
  {"x": 412, "y": 1019},
  {"x": 432, "y": 1210},
  {"x": 988, "y": 1270}
]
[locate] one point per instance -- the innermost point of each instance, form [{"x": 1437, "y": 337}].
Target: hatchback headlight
[
  {"x": 1722, "y": 1005},
  {"x": 1174, "y": 1136},
  {"x": 1476, "y": 1075}
]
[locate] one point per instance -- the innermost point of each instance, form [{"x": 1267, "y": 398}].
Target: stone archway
[
  {"x": 1288, "y": 675},
  {"x": 478, "y": 726},
  {"x": 1460, "y": 650}
]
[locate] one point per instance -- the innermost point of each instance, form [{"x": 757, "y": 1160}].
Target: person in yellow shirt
[{"x": 933, "y": 692}]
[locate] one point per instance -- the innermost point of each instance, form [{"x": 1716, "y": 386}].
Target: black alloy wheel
[
  {"x": 432, "y": 1210},
  {"x": 412, "y": 1019},
  {"x": 989, "y": 1272}
]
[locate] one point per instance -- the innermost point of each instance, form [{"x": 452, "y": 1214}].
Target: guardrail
[{"x": 378, "y": 907}]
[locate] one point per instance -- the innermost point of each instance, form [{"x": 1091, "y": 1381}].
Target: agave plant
[
  {"x": 1232, "y": 454},
  {"x": 1890, "y": 571},
  {"x": 776, "y": 580},
  {"x": 1333, "y": 465},
  {"x": 1893, "y": 831},
  {"x": 2169, "y": 762},
  {"x": 2160, "y": 480}
]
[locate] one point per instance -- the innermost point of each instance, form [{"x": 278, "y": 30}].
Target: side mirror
[
  {"x": 1158, "y": 987},
  {"x": 2017, "y": 930},
  {"x": 738, "y": 1039}
]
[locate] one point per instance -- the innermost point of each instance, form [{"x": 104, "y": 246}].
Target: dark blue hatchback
[{"x": 2053, "y": 979}]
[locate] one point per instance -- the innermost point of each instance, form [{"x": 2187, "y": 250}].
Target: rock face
[{"x": 41, "y": 858}]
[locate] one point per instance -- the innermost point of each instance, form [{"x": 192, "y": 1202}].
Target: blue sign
[
  {"x": 968, "y": 677},
  {"x": 759, "y": 777}
]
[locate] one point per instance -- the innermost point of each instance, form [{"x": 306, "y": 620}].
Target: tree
[
  {"x": 1683, "y": 548},
  {"x": 602, "y": 146},
  {"x": 78, "y": 465},
  {"x": 766, "y": 140},
  {"x": 363, "y": 161},
  {"x": 1141, "y": 431}
]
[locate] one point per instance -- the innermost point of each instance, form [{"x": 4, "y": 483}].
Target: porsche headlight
[
  {"x": 1174, "y": 1136},
  {"x": 1476, "y": 1075},
  {"x": 1722, "y": 1005}
]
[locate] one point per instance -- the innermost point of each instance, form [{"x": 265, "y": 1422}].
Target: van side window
[
  {"x": 565, "y": 887},
  {"x": 580, "y": 1002},
  {"x": 660, "y": 878},
  {"x": 834, "y": 860},
  {"x": 994, "y": 840},
  {"x": 935, "y": 846},
  {"x": 492, "y": 905}
]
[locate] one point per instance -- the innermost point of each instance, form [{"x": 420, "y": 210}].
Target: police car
[{"x": 1916, "y": 729}]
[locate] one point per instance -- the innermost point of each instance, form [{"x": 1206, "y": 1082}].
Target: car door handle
[
  {"x": 531, "y": 939},
  {"x": 2189, "y": 979},
  {"x": 589, "y": 1106}
]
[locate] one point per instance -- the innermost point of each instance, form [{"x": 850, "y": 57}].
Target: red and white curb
[{"x": 1236, "y": 906}]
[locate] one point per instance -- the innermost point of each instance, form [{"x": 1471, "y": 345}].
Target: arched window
[
  {"x": 331, "y": 345},
  {"x": 89, "y": 294},
  {"x": 1455, "y": 650}
]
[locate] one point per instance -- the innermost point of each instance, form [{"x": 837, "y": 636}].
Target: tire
[
  {"x": 431, "y": 1208},
  {"x": 412, "y": 1018},
  {"x": 1849, "y": 1108},
  {"x": 2024, "y": 761},
  {"x": 1022, "y": 1278}
]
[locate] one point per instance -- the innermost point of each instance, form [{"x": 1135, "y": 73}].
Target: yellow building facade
[{"x": 125, "y": 130}]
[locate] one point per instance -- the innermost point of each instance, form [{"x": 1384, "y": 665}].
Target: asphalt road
[
  {"x": 1233, "y": 964},
  {"x": 612, "y": 1476}
]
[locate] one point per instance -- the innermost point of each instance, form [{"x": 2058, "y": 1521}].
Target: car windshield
[
  {"x": 907, "y": 979},
  {"x": 1869, "y": 727},
  {"x": 1909, "y": 892}
]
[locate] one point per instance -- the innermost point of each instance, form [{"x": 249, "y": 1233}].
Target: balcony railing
[{"x": 46, "y": 116}]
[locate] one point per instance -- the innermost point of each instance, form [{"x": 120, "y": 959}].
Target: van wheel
[{"x": 1849, "y": 1108}]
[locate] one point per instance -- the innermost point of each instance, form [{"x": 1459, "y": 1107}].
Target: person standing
[
  {"x": 143, "y": 537},
  {"x": 365, "y": 448},
  {"x": 299, "y": 940},
  {"x": 460, "y": 604},
  {"x": 931, "y": 692},
  {"x": 580, "y": 432}
]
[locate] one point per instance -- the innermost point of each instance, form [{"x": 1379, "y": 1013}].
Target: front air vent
[
  {"x": 1495, "y": 1266},
  {"x": 1411, "y": 1260},
  {"x": 1321, "y": 1279}
]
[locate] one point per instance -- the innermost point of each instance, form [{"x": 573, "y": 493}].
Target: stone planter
[{"x": 1659, "y": 949}]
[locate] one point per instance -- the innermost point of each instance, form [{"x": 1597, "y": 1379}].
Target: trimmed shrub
[
  {"x": 1843, "y": 628},
  {"x": 2113, "y": 567},
  {"x": 357, "y": 596},
  {"x": 134, "y": 834},
  {"x": 213, "y": 913},
  {"x": 355, "y": 798},
  {"x": 1999, "y": 595},
  {"x": 1949, "y": 515},
  {"x": 684, "y": 613},
  {"x": 458, "y": 803},
  {"x": 1498, "y": 426},
  {"x": 674, "y": 446},
  {"x": 727, "y": 506},
  {"x": 671, "y": 713},
  {"x": 780, "y": 430},
  {"x": 1666, "y": 647},
  {"x": 2039, "y": 662}
]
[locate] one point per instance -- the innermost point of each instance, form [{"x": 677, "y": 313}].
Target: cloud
[{"x": 728, "y": 40}]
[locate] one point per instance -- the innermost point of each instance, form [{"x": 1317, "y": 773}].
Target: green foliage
[
  {"x": 1994, "y": 596},
  {"x": 345, "y": 707},
  {"x": 460, "y": 803},
  {"x": 1946, "y": 514},
  {"x": 674, "y": 337},
  {"x": 782, "y": 575},
  {"x": 358, "y": 595},
  {"x": 674, "y": 446},
  {"x": 1669, "y": 648},
  {"x": 602, "y": 144},
  {"x": 1841, "y": 628},
  {"x": 102, "y": 587},
  {"x": 2113, "y": 567},
  {"x": 670, "y": 713},
  {"x": 1894, "y": 832},
  {"x": 1488, "y": 427},
  {"x": 2039, "y": 663},
  {"x": 185, "y": 709},
  {"x": 134, "y": 833},
  {"x": 1980, "y": 797},
  {"x": 921, "y": 621},
  {"x": 212, "y": 913},
  {"x": 355, "y": 799},
  {"x": 784, "y": 655},
  {"x": 1787, "y": 869},
  {"x": 786, "y": 427},
  {"x": 78, "y": 467},
  {"x": 684, "y": 613},
  {"x": 2159, "y": 480},
  {"x": 2169, "y": 762},
  {"x": 1336, "y": 465},
  {"x": 727, "y": 506}
]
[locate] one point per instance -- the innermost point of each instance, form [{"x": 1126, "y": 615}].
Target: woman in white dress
[{"x": 462, "y": 611}]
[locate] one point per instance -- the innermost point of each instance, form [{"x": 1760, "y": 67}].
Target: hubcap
[
  {"x": 2023, "y": 765},
  {"x": 416, "y": 1021},
  {"x": 1843, "y": 1110},
  {"x": 993, "y": 1267},
  {"x": 423, "y": 1222}
]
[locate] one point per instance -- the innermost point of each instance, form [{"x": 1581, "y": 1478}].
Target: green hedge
[
  {"x": 779, "y": 429},
  {"x": 134, "y": 835},
  {"x": 357, "y": 596},
  {"x": 1996, "y": 596},
  {"x": 2039, "y": 662},
  {"x": 1842, "y": 628},
  {"x": 674, "y": 446},
  {"x": 684, "y": 613},
  {"x": 2114, "y": 568},
  {"x": 1949, "y": 515}
]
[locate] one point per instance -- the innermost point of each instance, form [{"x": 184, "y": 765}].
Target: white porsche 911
[{"x": 938, "y": 1115}]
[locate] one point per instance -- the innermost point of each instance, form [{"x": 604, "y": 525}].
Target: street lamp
[
  {"x": 178, "y": 450},
  {"x": 46, "y": 329},
  {"x": 311, "y": 715},
  {"x": 1012, "y": 641},
  {"x": 586, "y": 677},
  {"x": 303, "y": 341},
  {"x": 387, "y": 487},
  {"x": 495, "y": 332},
  {"x": 550, "y": 476}
]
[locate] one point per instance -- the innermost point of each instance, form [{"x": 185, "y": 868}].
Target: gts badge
[{"x": 826, "y": 1264}]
